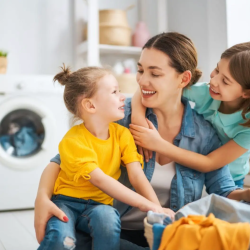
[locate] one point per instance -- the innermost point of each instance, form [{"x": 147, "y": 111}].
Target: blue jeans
[
  {"x": 93, "y": 219},
  {"x": 240, "y": 183}
]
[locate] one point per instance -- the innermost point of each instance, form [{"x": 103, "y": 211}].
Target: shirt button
[
  {"x": 175, "y": 177},
  {"x": 194, "y": 175},
  {"x": 174, "y": 207}
]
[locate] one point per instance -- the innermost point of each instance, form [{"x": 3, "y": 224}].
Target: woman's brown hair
[
  {"x": 78, "y": 85},
  {"x": 181, "y": 51},
  {"x": 239, "y": 67}
]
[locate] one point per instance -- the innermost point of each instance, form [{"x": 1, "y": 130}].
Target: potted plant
[{"x": 3, "y": 62}]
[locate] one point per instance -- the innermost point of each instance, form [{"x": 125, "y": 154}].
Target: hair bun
[
  {"x": 63, "y": 76},
  {"x": 196, "y": 76}
]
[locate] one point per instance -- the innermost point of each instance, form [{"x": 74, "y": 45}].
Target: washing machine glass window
[{"x": 21, "y": 133}]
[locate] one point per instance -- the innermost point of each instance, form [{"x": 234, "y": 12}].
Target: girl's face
[
  {"x": 108, "y": 101},
  {"x": 222, "y": 85},
  {"x": 157, "y": 80}
]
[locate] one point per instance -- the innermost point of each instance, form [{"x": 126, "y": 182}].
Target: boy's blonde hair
[
  {"x": 239, "y": 67},
  {"x": 78, "y": 85}
]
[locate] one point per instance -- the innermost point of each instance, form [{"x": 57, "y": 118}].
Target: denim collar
[{"x": 188, "y": 124}]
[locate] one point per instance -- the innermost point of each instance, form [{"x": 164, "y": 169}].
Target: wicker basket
[
  {"x": 115, "y": 35},
  {"x": 3, "y": 64},
  {"x": 113, "y": 18},
  {"x": 148, "y": 233}
]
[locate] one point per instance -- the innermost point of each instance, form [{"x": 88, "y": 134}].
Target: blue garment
[
  {"x": 157, "y": 234},
  {"x": 101, "y": 222},
  {"x": 240, "y": 183}
]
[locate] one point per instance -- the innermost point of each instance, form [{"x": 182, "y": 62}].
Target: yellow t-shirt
[{"x": 81, "y": 153}]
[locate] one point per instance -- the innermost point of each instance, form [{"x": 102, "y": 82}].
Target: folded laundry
[
  {"x": 162, "y": 219},
  {"x": 222, "y": 208},
  {"x": 205, "y": 233}
]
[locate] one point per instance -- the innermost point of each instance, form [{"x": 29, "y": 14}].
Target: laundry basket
[{"x": 148, "y": 233}]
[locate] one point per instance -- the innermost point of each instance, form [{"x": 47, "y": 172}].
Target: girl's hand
[
  {"x": 144, "y": 137},
  {"x": 170, "y": 212},
  {"x": 147, "y": 154},
  {"x": 150, "y": 206},
  {"x": 44, "y": 210}
]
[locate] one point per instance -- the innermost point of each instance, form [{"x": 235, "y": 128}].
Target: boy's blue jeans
[{"x": 101, "y": 222}]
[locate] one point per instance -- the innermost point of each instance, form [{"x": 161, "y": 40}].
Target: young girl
[
  {"x": 225, "y": 103},
  {"x": 91, "y": 154}
]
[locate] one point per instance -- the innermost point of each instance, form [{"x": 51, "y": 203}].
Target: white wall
[
  {"x": 37, "y": 35},
  {"x": 205, "y": 23},
  {"x": 238, "y": 21}
]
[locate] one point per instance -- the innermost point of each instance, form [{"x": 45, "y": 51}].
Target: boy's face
[{"x": 109, "y": 102}]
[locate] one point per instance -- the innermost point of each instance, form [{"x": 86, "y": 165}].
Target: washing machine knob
[{"x": 20, "y": 85}]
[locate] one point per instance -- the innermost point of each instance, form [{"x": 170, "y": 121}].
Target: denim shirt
[{"x": 196, "y": 135}]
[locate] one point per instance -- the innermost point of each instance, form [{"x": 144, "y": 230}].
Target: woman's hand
[
  {"x": 44, "y": 210},
  {"x": 146, "y": 138},
  {"x": 170, "y": 212}
]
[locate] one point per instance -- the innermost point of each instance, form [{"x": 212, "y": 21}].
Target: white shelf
[{"x": 110, "y": 49}]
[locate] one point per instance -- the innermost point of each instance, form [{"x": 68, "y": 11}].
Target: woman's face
[{"x": 159, "y": 83}]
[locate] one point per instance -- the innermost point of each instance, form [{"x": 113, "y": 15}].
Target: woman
[{"x": 167, "y": 65}]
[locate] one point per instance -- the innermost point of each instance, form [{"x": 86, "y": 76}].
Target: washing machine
[{"x": 33, "y": 120}]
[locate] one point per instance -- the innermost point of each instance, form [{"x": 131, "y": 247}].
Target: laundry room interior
[{"x": 39, "y": 37}]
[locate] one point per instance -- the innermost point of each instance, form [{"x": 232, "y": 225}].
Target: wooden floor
[{"x": 17, "y": 231}]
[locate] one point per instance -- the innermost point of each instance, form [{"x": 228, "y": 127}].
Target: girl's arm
[
  {"x": 220, "y": 157},
  {"x": 142, "y": 186},
  {"x": 44, "y": 207},
  {"x": 118, "y": 191},
  {"x": 140, "y": 182},
  {"x": 240, "y": 195},
  {"x": 151, "y": 139}
]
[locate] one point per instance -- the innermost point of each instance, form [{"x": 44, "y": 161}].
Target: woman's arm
[
  {"x": 118, "y": 191},
  {"x": 151, "y": 139},
  {"x": 138, "y": 118},
  {"x": 44, "y": 207},
  {"x": 138, "y": 110}
]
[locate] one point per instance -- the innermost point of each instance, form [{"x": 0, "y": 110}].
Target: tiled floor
[{"x": 17, "y": 231}]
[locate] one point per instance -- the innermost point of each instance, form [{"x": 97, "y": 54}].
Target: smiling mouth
[
  {"x": 148, "y": 92},
  {"x": 122, "y": 107},
  {"x": 213, "y": 90}
]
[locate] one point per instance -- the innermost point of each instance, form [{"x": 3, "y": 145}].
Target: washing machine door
[{"x": 27, "y": 129}]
